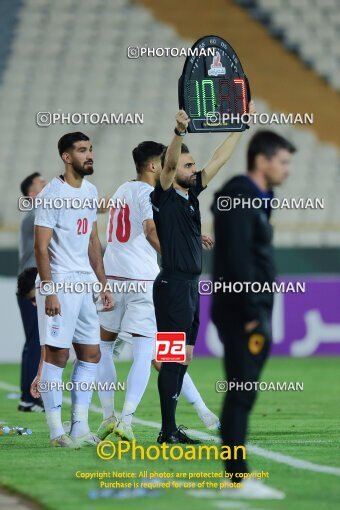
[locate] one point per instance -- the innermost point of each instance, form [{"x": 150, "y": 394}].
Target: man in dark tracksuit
[
  {"x": 244, "y": 253},
  {"x": 30, "y": 187}
]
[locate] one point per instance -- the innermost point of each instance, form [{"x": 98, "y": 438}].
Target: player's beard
[
  {"x": 81, "y": 169},
  {"x": 187, "y": 182}
]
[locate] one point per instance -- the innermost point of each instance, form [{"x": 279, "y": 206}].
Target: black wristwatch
[{"x": 180, "y": 133}]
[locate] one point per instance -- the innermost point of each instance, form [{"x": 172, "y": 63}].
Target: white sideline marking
[
  {"x": 225, "y": 504},
  {"x": 232, "y": 504},
  {"x": 256, "y": 450}
]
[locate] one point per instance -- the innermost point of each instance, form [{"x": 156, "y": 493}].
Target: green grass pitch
[{"x": 304, "y": 425}]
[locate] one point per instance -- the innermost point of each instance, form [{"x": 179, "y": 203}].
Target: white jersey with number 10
[{"x": 128, "y": 254}]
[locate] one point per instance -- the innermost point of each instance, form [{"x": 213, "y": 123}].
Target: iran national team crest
[
  {"x": 54, "y": 330},
  {"x": 216, "y": 68}
]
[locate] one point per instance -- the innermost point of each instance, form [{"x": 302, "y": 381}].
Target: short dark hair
[
  {"x": 184, "y": 150},
  {"x": 27, "y": 183},
  {"x": 26, "y": 281},
  {"x": 144, "y": 152},
  {"x": 69, "y": 139},
  {"x": 267, "y": 143}
]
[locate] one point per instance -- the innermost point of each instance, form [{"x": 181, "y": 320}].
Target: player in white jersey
[
  {"x": 68, "y": 253},
  {"x": 130, "y": 259},
  {"x": 131, "y": 256}
]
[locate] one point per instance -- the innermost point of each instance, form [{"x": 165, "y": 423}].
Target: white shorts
[
  {"x": 78, "y": 322},
  {"x": 133, "y": 312}
]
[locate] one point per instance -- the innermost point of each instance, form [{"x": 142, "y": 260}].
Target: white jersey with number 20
[
  {"x": 72, "y": 227},
  {"x": 128, "y": 254}
]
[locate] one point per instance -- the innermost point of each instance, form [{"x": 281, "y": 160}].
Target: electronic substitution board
[{"x": 213, "y": 89}]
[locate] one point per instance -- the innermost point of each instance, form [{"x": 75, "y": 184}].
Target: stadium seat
[{"x": 309, "y": 27}]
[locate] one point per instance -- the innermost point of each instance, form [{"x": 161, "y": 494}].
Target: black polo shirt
[{"x": 178, "y": 223}]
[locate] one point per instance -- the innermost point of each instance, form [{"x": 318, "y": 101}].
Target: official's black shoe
[
  {"x": 184, "y": 438},
  {"x": 178, "y": 437},
  {"x": 171, "y": 439},
  {"x": 31, "y": 407}
]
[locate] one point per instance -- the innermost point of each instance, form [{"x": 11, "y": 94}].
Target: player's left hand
[
  {"x": 207, "y": 242},
  {"x": 252, "y": 107},
  {"x": 107, "y": 301}
]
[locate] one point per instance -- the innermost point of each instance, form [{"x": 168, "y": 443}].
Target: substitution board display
[{"x": 213, "y": 89}]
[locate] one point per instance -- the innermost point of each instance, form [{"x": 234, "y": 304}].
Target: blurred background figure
[
  {"x": 244, "y": 253},
  {"x": 30, "y": 187}
]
